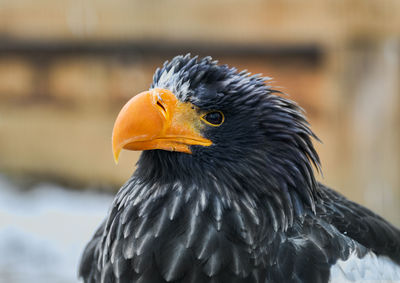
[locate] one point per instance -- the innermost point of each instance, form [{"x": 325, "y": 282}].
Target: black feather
[{"x": 246, "y": 209}]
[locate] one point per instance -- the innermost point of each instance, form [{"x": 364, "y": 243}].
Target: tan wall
[{"x": 244, "y": 21}]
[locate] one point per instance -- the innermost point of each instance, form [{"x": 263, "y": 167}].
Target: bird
[{"x": 225, "y": 190}]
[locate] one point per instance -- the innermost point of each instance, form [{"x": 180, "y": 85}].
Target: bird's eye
[{"x": 213, "y": 118}]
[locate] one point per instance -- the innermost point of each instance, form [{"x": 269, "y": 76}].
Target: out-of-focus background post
[{"x": 67, "y": 67}]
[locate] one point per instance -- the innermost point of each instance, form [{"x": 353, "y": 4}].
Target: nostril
[{"x": 161, "y": 106}]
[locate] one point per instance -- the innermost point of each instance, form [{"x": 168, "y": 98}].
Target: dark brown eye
[{"x": 213, "y": 118}]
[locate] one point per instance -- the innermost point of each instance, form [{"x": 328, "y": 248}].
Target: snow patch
[{"x": 43, "y": 231}]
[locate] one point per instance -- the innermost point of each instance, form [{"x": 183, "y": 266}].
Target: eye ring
[{"x": 213, "y": 118}]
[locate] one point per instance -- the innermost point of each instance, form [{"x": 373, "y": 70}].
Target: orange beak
[{"x": 156, "y": 119}]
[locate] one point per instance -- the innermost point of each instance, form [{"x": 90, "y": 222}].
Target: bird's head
[{"x": 203, "y": 121}]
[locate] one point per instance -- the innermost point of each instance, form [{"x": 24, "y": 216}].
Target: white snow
[
  {"x": 370, "y": 268},
  {"x": 43, "y": 231}
]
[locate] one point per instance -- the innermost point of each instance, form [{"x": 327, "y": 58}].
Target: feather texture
[{"x": 246, "y": 209}]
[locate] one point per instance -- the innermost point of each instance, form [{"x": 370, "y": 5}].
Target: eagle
[{"x": 225, "y": 191}]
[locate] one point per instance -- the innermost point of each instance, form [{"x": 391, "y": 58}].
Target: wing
[
  {"x": 88, "y": 265},
  {"x": 360, "y": 224}
]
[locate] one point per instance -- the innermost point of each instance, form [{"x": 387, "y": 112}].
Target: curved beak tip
[{"x": 116, "y": 153}]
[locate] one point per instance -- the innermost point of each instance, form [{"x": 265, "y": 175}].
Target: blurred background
[{"x": 67, "y": 67}]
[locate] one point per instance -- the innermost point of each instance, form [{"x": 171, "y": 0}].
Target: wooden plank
[{"x": 284, "y": 21}]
